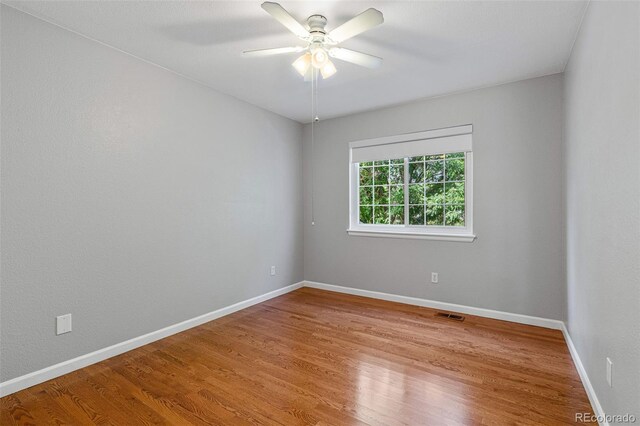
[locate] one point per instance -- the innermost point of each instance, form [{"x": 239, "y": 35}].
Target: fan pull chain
[{"x": 314, "y": 119}]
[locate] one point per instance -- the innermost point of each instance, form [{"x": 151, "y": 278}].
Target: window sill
[{"x": 463, "y": 238}]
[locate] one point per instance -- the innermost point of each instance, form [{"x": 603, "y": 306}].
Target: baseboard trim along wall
[
  {"x": 31, "y": 379},
  {"x": 591, "y": 393},
  {"x": 470, "y": 310},
  {"x": 48, "y": 373},
  {"x": 481, "y": 312}
]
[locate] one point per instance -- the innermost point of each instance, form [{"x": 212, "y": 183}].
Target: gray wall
[
  {"x": 516, "y": 264},
  {"x": 131, "y": 197},
  {"x": 602, "y": 162}
]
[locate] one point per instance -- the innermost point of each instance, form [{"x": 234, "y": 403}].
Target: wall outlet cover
[{"x": 63, "y": 324}]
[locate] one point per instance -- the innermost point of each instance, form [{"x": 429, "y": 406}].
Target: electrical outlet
[
  {"x": 434, "y": 277},
  {"x": 609, "y": 371},
  {"x": 273, "y": 270},
  {"x": 63, "y": 324}
]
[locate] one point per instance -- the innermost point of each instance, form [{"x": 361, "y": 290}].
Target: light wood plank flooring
[{"x": 322, "y": 358}]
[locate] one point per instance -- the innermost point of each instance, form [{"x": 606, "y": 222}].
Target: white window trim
[{"x": 441, "y": 233}]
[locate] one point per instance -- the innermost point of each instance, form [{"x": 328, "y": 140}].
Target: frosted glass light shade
[
  {"x": 328, "y": 70},
  {"x": 302, "y": 63},
  {"x": 319, "y": 57}
]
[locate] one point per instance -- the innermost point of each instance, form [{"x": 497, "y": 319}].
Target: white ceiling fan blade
[
  {"x": 268, "y": 52},
  {"x": 279, "y": 13},
  {"x": 354, "y": 57},
  {"x": 365, "y": 21}
]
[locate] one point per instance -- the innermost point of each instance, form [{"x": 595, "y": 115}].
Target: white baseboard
[
  {"x": 591, "y": 393},
  {"x": 470, "y": 310},
  {"x": 487, "y": 313},
  {"x": 36, "y": 377},
  {"x": 48, "y": 373}
]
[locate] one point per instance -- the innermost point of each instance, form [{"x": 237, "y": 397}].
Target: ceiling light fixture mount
[{"x": 320, "y": 45}]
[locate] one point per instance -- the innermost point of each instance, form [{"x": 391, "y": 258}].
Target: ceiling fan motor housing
[{"x": 316, "y": 25}]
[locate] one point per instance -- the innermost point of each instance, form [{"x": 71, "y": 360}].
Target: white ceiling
[{"x": 429, "y": 48}]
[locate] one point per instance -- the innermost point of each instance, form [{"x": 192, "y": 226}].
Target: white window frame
[{"x": 443, "y": 233}]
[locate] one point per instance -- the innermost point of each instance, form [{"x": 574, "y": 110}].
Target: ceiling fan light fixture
[
  {"x": 302, "y": 63},
  {"x": 319, "y": 57},
  {"x": 320, "y": 45},
  {"x": 328, "y": 70}
]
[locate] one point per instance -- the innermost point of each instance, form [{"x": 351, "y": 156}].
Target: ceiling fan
[{"x": 320, "y": 45}]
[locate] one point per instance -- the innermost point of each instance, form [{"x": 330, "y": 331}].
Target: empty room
[{"x": 319, "y": 212}]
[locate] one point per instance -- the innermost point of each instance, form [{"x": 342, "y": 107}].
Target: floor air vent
[{"x": 446, "y": 315}]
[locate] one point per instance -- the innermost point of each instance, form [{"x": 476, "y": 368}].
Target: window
[{"x": 417, "y": 185}]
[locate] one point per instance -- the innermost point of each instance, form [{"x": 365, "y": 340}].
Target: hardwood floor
[{"x": 318, "y": 357}]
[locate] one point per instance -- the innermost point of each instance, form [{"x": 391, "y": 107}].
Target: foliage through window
[
  {"x": 413, "y": 185},
  {"x": 415, "y": 191},
  {"x": 382, "y": 192}
]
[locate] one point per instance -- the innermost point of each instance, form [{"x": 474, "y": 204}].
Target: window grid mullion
[
  {"x": 444, "y": 193},
  {"x": 424, "y": 191},
  {"x": 389, "y": 192},
  {"x": 373, "y": 193},
  {"x": 406, "y": 191}
]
